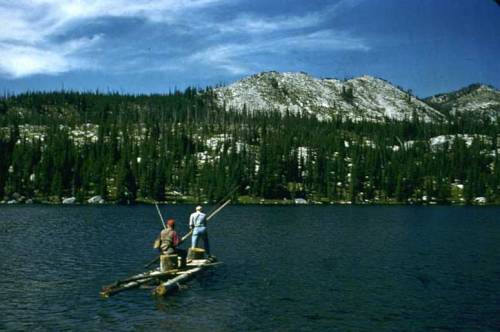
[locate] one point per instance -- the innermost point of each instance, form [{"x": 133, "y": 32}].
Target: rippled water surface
[{"x": 312, "y": 268}]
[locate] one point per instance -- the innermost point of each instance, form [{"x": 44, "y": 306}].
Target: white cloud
[
  {"x": 24, "y": 60},
  {"x": 30, "y": 27},
  {"x": 252, "y": 24},
  {"x": 20, "y": 61},
  {"x": 274, "y": 35},
  {"x": 224, "y": 57},
  {"x": 231, "y": 57},
  {"x": 323, "y": 40},
  {"x": 148, "y": 9},
  {"x": 35, "y": 37}
]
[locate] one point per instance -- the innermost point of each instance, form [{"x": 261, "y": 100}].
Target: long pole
[
  {"x": 161, "y": 218},
  {"x": 164, "y": 226},
  {"x": 185, "y": 237},
  {"x": 211, "y": 213},
  {"x": 225, "y": 198},
  {"x": 218, "y": 210},
  {"x": 208, "y": 218}
]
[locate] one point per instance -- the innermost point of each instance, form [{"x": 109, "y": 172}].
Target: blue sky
[{"x": 143, "y": 46}]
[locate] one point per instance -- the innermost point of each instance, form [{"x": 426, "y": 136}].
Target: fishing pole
[
  {"x": 215, "y": 210},
  {"x": 157, "y": 240},
  {"x": 161, "y": 218}
]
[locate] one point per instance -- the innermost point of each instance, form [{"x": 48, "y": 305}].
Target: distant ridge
[
  {"x": 364, "y": 97},
  {"x": 475, "y": 98}
]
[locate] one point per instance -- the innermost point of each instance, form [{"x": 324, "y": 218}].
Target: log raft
[
  {"x": 135, "y": 281},
  {"x": 174, "y": 284},
  {"x": 166, "y": 281}
]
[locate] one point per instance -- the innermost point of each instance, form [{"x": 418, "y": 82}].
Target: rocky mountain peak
[
  {"x": 477, "y": 98},
  {"x": 364, "y": 97}
]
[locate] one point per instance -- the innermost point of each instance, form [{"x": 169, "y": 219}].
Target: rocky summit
[
  {"x": 359, "y": 98},
  {"x": 364, "y": 97},
  {"x": 478, "y": 99}
]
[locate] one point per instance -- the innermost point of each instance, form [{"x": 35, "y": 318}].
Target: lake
[{"x": 307, "y": 268}]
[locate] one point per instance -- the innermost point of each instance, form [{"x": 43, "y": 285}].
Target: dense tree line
[{"x": 182, "y": 146}]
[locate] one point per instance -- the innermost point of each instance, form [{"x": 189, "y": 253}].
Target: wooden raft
[
  {"x": 135, "y": 282},
  {"x": 174, "y": 284},
  {"x": 166, "y": 281}
]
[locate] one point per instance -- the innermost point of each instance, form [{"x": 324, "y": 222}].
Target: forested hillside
[{"x": 183, "y": 147}]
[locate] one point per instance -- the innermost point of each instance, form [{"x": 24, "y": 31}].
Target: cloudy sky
[{"x": 142, "y": 46}]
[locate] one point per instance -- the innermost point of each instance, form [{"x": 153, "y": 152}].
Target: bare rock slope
[
  {"x": 478, "y": 99},
  {"x": 363, "y": 97}
]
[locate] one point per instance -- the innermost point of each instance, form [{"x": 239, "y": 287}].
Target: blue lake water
[{"x": 307, "y": 268}]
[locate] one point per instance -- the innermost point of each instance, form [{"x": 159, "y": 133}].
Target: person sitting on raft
[{"x": 170, "y": 241}]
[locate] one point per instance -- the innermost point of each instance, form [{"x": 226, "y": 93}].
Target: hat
[
  {"x": 171, "y": 222},
  {"x": 199, "y": 207}
]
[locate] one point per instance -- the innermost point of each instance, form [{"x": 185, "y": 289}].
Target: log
[
  {"x": 134, "y": 282},
  {"x": 175, "y": 283},
  {"x": 169, "y": 262},
  {"x": 154, "y": 274},
  {"x": 196, "y": 253}
]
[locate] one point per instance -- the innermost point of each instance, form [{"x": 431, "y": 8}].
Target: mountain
[
  {"x": 363, "y": 97},
  {"x": 476, "y": 99}
]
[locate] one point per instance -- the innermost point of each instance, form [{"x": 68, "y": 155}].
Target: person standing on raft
[
  {"x": 169, "y": 241},
  {"x": 198, "y": 224}
]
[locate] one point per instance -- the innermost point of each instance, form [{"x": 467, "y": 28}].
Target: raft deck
[{"x": 166, "y": 282}]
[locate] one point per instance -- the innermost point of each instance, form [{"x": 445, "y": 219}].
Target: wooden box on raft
[
  {"x": 168, "y": 262},
  {"x": 196, "y": 253}
]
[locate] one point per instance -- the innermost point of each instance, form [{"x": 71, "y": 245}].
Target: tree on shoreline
[{"x": 165, "y": 147}]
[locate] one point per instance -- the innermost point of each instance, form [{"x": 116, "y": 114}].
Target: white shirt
[{"x": 197, "y": 219}]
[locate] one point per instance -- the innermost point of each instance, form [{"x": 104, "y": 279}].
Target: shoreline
[{"x": 256, "y": 202}]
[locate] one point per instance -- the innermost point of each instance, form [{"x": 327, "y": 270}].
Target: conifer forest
[{"x": 181, "y": 147}]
